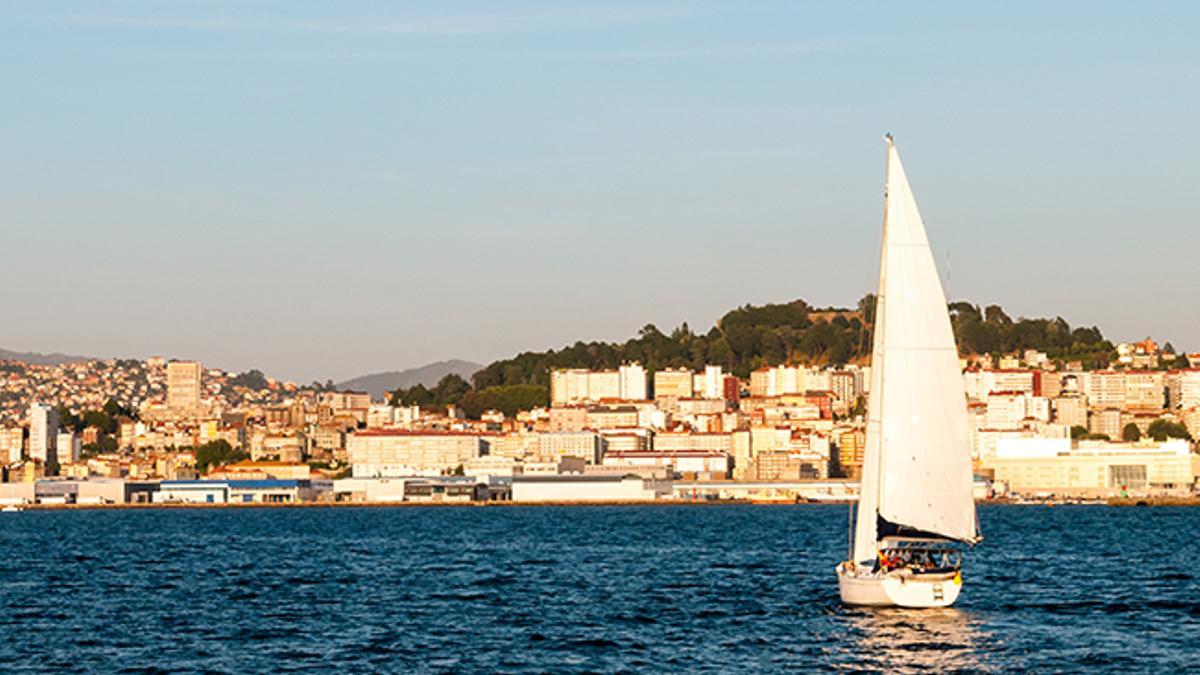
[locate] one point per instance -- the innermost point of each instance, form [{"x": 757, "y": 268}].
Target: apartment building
[
  {"x": 1189, "y": 389},
  {"x": 673, "y": 384},
  {"x": 611, "y": 417},
  {"x": 12, "y": 442},
  {"x": 1006, "y": 410},
  {"x": 183, "y": 385},
  {"x": 43, "y": 432},
  {"x": 1107, "y": 421},
  {"x": 584, "y": 444},
  {"x": 685, "y": 441},
  {"x": 1105, "y": 388},
  {"x": 380, "y": 453},
  {"x": 632, "y": 381},
  {"x": 568, "y": 418},
  {"x": 1071, "y": 411},
  {"x": 67, "y": 447},
  {"x": 1145, "y": 389},
  {"x": 520, "y": 446},
  {"x": 579, "y": 385},
  {"x": 978, "y": 384}
]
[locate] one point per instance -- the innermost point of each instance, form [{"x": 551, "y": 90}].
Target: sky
[{"x": 322, "y": 190}]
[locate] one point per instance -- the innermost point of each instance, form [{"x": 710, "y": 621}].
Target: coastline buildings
[
  {"x": 1094, "y": 469},
  {"x": 583, "y": 488},
  {"x": 791, "y": 423}
]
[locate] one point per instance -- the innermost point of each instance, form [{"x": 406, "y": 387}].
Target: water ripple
[{"x": 619, "y": 589}]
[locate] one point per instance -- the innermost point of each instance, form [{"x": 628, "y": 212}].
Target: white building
[
  {"x": 692, "y": 461},
  {"x": 1105, "y": 388},
  {"x": 710, "y": 383},
  {"x": 183, "y": 385},
  {"x": 12, "y": 440},
  {"x": 1005, "y": 410},
  {"x": 68, "y": 447},
  {"x": 578, "y": 385},
  {"x": 587, "y": 445},
  {"x": 381, "y": 453},
  {"x": 1189, "y": 389},
  {"x": 673, "y": 384},
  {"x": 1145, "y": 389},
  {"x": 588, "y": 488},
  {"x": 1038, "y": 465},
  {"x": 1071, "y": 411},
  {"x": 43, "y": 432},
  {"x": 381, "y": 416},
  {"x": 633, "y": 381},
  {"x": 980, "y": 383}
]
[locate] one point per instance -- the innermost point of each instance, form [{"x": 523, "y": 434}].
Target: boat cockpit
[{"x": 919, "y": 556}]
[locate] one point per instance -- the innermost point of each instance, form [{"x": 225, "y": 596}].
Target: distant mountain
[
  {"x": 41, "y": 359},
  {"x": 378, "y": 384}
]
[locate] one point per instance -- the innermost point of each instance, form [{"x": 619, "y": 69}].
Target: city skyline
[{"x": 321, "y": 194}]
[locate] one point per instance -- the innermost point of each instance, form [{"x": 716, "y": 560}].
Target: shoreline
[
  {"x": 1153, "y": 501},
  {"x": 1114, "y": 501}
]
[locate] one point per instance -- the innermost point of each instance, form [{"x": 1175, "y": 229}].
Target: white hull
[{"x": 898, "y": 589}]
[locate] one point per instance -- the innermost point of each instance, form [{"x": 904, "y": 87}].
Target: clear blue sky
[{"x": 326, "y": 189}]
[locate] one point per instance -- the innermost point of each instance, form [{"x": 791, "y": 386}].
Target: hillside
[
  {"x": 753, "y": 336},
  {"x": 379, "y": 384},
  {"x": 749, "y": 337}
]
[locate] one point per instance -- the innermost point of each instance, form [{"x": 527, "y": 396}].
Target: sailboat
[{"x": 916, "y": 509}]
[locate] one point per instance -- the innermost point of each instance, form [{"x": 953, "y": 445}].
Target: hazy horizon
[{"x": 323, "y": 192}]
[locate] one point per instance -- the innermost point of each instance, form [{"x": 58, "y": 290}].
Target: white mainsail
[{"x": 917, "y": 464}]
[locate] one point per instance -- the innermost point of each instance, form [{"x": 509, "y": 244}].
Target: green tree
[
  {"x": 508, "y": 399},
  {"x": 414, "y": 395},
  {"x": 217, "y": 453},
  {"x": 1161, "y": 429},
  {"x": 450, "y": 389},
  {"x": 254, "y": 380},
  {"x": 995, "y": 314},
  {"x": 115, "y": 409},
  {"x": 68, "y": 419},
  {"x": 1131, "y": 433}
]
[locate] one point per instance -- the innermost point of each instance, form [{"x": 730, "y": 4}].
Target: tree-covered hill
[
  {"x": 751, "y": 336},
  {"x": 742, "y": 340}
]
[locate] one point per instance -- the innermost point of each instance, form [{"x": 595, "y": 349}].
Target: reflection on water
[{"x": 906, "y": 640}]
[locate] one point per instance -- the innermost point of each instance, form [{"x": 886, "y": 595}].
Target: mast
[{"x": 865, "y": 532}]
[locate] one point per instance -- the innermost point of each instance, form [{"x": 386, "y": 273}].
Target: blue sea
[{"x": 563, "y": 589}]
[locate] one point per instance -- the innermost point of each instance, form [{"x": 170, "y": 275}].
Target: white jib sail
[{"x": 917, "y": 462}]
